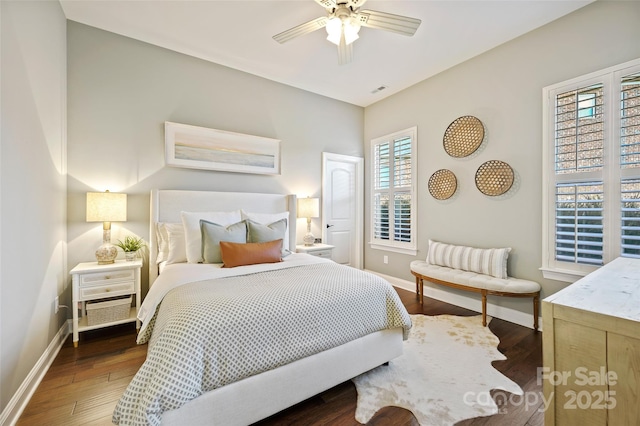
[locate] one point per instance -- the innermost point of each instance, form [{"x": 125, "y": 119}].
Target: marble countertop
[{"x": 613, "y": 290}]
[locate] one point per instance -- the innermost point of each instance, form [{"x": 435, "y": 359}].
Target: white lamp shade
[
  {"x": 351, "y": 29},
  {"x": 334, "y": 30},
  {"x": 308, "y": 207},
  {"x": 106, "y": 207}
]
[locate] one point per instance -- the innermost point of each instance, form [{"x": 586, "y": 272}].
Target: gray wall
[
  {"x": 503, "y": 88},
  {"x": 33, "y": 185},
  {"x": 121, "y": 92}
]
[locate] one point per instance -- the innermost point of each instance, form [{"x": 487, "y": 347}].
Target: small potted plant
[{"x": 130, "y": 246}]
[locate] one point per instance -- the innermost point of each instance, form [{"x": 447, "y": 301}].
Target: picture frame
[{"x": 211, "y": 149}]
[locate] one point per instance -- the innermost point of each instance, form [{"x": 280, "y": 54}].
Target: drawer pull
[
  {"x": 108, "y": 290},
  {"x": 107, "y": 277}
]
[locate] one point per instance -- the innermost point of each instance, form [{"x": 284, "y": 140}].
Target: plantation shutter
[
  {"x": 402, "y": 184},
  {"x": 579, "y": 237},
  {"x": 591, "y": 178},
  {"x": 392, "y": 209},
  {"x": 579, "y": 152},
  {"x": 630, "y": 159},
  {"x": 579, "y": 130},
  {"x": 382, "y": 167}
]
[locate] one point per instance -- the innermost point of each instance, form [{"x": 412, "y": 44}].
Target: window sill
[
  {"x": 394, "y": 249},
  {"x": 563, "y": 275}
]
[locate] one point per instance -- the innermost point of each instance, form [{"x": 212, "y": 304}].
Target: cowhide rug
[{"x": 443, "y": 376}]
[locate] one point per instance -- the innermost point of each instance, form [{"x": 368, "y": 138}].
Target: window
[
  {"x": 591, "y": 175},
  {"x": 393, "y": 224}
]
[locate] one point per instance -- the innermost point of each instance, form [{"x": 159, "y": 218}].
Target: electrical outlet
[
  {"x": 385, "y": 259},
  {"x": 56, "y": 305}
]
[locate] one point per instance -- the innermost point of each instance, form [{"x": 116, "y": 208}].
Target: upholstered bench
[{"x": 482, "y": 271}]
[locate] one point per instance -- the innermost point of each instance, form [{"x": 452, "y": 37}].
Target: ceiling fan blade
[
  {"x": 345, "y": 52},
  {"x": 327, "y": 4},
  {"x": 332, "y": 4},
  {"x": 301, "y": 30},
  {"x": 354, "y": 4},
  {"x": 386, "y": 21}
]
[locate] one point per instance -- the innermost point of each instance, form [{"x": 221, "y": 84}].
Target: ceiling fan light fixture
[
  {"x": 334, "y": 30},
  {"x": 337, "y": 27},
  {"x": 351, "y": 30},
  {"x": 342, "y": 22}
]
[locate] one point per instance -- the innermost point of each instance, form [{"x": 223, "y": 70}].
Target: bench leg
[
  {"x": 484, "y": 308},
  {"x": 536, "y": 311},
  {"x": 418, "y": 288}
]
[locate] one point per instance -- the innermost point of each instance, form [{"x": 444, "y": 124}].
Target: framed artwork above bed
[{"x": 210, "y": 149}]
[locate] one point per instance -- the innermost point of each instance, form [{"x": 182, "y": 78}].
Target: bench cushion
[
  {"x": 475, "y": 280},
  {"x": 492, "y": 261}
]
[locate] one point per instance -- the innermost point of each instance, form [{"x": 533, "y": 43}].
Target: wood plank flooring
[{"x": 84, "y": 383}]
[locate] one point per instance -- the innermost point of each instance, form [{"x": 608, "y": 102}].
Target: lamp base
[
  {"x": 309, "y": 239},
  {"x": 106, "y": 254}
]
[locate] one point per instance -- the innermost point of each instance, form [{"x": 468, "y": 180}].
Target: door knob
[{"x": 329, "y": 226}]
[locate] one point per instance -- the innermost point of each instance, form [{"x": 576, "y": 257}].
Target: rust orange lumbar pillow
[{"x": 239, "y": 254}]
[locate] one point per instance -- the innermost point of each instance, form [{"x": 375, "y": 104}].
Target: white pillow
[
  {"x": 268, "y": 219},
  {"x": 162, "y": 242},
  {"x": 193, "y": 235},
  {"x": 176, "y": 244}
]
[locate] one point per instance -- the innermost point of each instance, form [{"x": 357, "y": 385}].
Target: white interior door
[{"x": 342, "y": 207}]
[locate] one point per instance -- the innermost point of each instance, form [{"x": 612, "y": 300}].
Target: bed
[{"x": 257, "y": 368}]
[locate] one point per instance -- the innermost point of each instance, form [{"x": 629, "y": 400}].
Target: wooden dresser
[{"x": 591, "y": 348}]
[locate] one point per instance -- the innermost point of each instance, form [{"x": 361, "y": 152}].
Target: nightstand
[
  {"x": 320, "y": 250},
  {"x": 105, "y": 285}
]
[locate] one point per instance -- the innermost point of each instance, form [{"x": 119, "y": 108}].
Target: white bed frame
[{"x": 254, "y": 398}]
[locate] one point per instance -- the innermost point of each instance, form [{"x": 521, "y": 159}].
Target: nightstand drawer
[
  {"x": 321, "y": 253},
  {"x": 99, "y": 278},
  {"x": 110, "y": 290},
  {"x": 317, "y": 250}
]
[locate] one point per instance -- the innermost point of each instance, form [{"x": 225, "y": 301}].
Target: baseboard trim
[
  {"x": 18, "y": 402},
  {"x": 467, "y": 302}
]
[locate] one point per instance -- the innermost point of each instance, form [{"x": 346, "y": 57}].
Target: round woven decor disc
[
  {"x": 494, "y": 177},
  {"x": 464, "y": 136},
  {"x": 442, "y": 184}
]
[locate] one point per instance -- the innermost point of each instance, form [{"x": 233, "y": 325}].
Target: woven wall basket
[
  {"x": 463, "y": 136},
  {"x": 442, "y": 184},
  {"x": 494, "y": 178}
]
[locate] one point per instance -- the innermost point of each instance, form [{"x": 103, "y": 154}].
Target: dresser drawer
[
  {"x": 109, "y": 290},
  {"x": 99, "y": 278}
]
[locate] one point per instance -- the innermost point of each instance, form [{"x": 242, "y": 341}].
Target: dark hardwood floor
[{"x": 84, "y": 383}]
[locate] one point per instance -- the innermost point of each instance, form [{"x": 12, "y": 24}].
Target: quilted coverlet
[{"x": 207, "y": 334}]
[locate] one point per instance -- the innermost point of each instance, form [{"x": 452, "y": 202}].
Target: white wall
[
  {"x": 32, "y": 186},
  {"x": 503, "y": 88},
  {"x": 121, "y": 91}
]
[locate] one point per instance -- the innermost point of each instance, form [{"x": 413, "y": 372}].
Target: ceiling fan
[{"x": 343, "y": 21}]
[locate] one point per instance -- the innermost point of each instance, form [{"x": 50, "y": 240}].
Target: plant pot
[{"x": 130, "y": 256}]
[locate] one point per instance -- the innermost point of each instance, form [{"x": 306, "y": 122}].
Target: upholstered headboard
[{"x": 166, "y": 206}]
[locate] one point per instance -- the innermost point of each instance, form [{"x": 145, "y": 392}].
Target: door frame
[{"x": 359, "y": 201}]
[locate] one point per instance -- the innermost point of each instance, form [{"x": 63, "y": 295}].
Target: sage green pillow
[
  {"x": 259, "y": 233},
  {"x": 213, "y": 233}
]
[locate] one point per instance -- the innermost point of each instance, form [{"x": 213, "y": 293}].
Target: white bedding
[
  {"x": 220, "y": 325},
  {"x": 177, "y": 274}
]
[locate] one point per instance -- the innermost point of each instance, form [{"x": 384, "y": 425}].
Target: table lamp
[
  {"x": 106, "y": 207},
  {"x": 308, "y": 208}
]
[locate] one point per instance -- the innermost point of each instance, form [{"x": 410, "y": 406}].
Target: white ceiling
[{"x": 238, "y": 34}]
